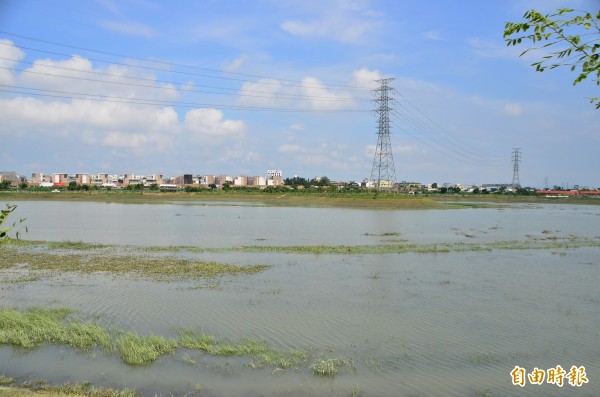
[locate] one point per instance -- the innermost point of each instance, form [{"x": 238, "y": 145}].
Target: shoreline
[{"x": 292, "y": 199}]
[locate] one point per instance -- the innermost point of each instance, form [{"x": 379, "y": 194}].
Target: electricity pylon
[
  {"x": 383, "y": 173},
  {"x": 516, "y": 159}
]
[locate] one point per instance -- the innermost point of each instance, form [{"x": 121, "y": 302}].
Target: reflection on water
[{"x": 452, "y": 324}]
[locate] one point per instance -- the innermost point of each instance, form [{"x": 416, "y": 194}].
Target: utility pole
[
  {"x": 516, "y": 159},
  {"x": 383, "y": 173}
]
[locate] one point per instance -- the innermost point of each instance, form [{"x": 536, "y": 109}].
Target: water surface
[{"x": 449, "y": 324}]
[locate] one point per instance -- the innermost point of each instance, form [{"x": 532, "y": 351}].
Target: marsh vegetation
[{"x": 349, "y": 302}]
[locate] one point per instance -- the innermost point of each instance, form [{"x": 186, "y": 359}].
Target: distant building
[
  {"x": 12, "y": 176},
  {"x": 274, "y": 177},
  {"x": 60, "y": 179},
  {"x": 153, "y": 179},
  {"x": 82, "y": 179},
  {"x": 206, "y": 180},
  {"x": 38, "y": 178},
  {"x": 223, "y": 179},
  {"x": 240, "y": 181}
]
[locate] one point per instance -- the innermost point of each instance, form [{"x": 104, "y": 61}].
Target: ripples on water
[{"x": 452, "y": 324}]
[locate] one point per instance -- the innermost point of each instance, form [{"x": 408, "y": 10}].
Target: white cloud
[
  {"x": 365, "y": 78},
  {"x": 81, "y": 77},
  {"x": 369, "y": 151},
  {"x": 432, "y": 35},
  {"x": 109, "y": 123},
  {"x": 310, "y": 94},
  {"x": 494, "y": 49},
  {"x": 130, "y": 28},
  {"x": 236, "y": 64},
  {"x": 10, "y": 56},
  {"x": 110, "y": 6},
  {"x": 323, "y": 154},
  {"x": 347, "y": 31},
  {"x": 322, "y": 98},
  {"x": 513, "y": 109},
  {"x": 405, "y": 149},
  {"x": 289, "y": 148},
  {"x": 209, "y": 125},
  {"x": 345, "y": 21}
]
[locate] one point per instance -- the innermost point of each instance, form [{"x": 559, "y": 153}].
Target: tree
[
  {"x": 72, "y": 186},
  {"x": 573, "y": 35}
]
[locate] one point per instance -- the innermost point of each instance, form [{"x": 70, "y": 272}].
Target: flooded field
[{"x": 346, "y": 302}]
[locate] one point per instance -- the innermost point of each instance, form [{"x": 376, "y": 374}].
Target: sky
[{"x": 240, "y": 87}]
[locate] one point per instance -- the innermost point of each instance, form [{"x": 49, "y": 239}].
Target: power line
[
  {"x": 444, "y": 135},
  {"x": 156, "y": 102},
  {"x": 171, "y": 64},
  {"x": 274, "y": 96}
]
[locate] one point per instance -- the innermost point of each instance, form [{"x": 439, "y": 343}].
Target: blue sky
[{"x": 239, "y": 87}]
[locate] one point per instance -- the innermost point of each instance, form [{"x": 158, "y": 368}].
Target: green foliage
[
  {"x": 573, "y": 35},
  {"x": 315, "y": 182},
  {"x": 330, "y": 366},
  {"x": 3, "y": 218},
  {"x": 136, "y": 349},
  {"x": 5, "y": 185}
]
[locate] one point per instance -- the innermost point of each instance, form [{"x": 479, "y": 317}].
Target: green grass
[
  {"x": 44, "y": 259},
  {"x": 260, "y": 352},
  {"x": 43, "y": 388},
  {"x": 74, "y": 245},
  {"x": 37, "y": 327},
  {"x": 133, "y": 263},
  {"x": 136, "y": 349},
  {"x": 330, "y": 366},
  {"x": 6, "y": 380}
]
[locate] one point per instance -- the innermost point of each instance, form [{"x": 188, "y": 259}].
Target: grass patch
[
  {"x": 6, "y": 380},
  {"x": 261, "y": 353},
  {"x": 161, "y": 269},
  {"x": 42, "y": 388},
  {"x": 138, "y": 261},
  {"x": 330, "y": 366},
  {"x": 37, "y": 327},
  {"x": 136, "y": 349},
  {"x": 74, "y": 245}
]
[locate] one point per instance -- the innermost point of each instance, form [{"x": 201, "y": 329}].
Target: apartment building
[{"x": 273, "y": 178}]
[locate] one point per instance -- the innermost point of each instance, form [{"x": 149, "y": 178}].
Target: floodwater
[{"x": 445, "y": 324}]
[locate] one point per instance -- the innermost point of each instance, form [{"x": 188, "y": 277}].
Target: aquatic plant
[
  {"x": 261, "y": 352},
  {"x": 43, "y": 388},
  {"x": 6, "y": 380},
  {"x": 161, "y": 269},
  {"x": 330, "y": 366},
  {"x": 136, "y": 349}
]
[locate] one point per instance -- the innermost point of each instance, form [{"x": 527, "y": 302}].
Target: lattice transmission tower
[
  {"x": 383, "y": 173},
  {"x": 516, "y": 160}
]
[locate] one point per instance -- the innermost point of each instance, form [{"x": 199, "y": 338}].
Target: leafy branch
[
  {"x": 573, "y": 35},
  {"x": 3, "y": 218}
]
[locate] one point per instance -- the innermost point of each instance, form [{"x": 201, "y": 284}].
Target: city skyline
[{"x": 238, "y": 87}]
